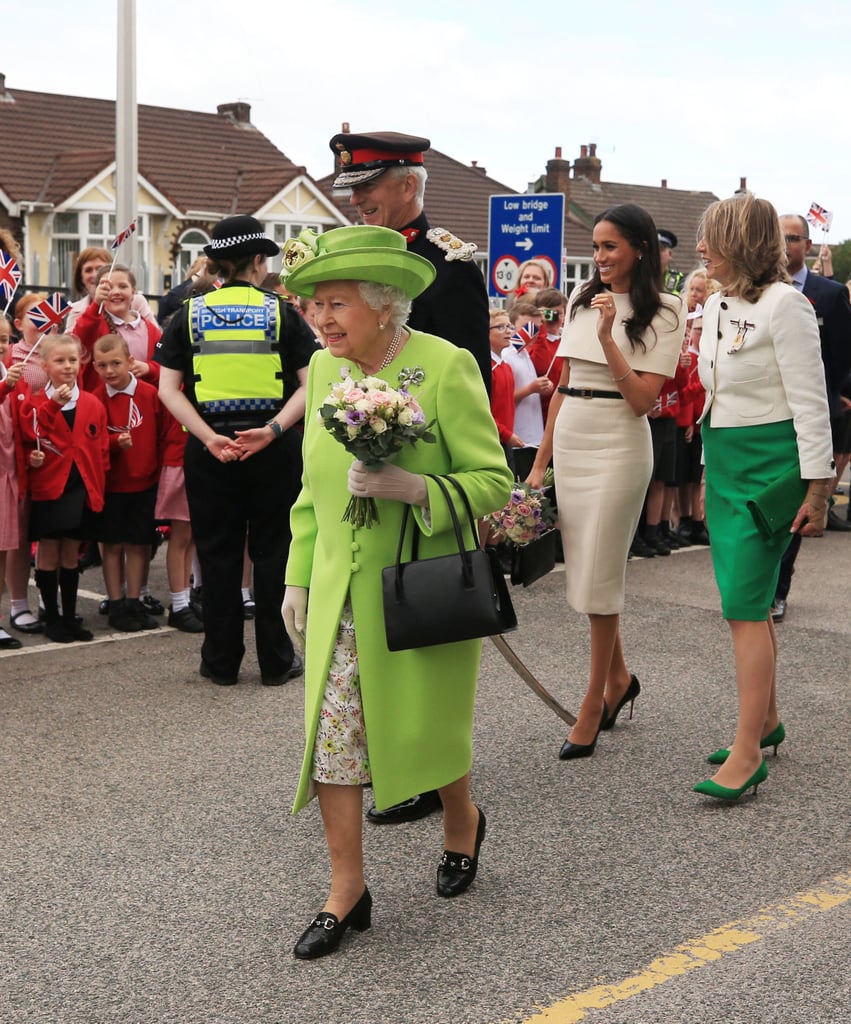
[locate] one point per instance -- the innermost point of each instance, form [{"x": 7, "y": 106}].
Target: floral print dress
[{"x": 340, "y": 754}]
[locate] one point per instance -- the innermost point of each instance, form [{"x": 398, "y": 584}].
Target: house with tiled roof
[
  {"x": 587, "y": 195},
  {"x": 58, "y": 195}
]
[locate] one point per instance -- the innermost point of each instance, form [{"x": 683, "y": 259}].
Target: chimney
[
  {"x": 5, "y": 97},
  {"x": 475, "y": 166},
  {"x": 588, "y": 164},
  {"x": 743, "y": 184},
  {"x": 239, "y": 112},
  {"x": 664, "y": 183},
  {"x": 558, "y": 175}
]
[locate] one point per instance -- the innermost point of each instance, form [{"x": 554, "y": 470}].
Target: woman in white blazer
[{"x": 765, "y": 422}]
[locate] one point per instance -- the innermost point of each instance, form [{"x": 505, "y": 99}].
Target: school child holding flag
[
  {"x": 137, "y": 425},
  {"x": 65, "y": 437}
]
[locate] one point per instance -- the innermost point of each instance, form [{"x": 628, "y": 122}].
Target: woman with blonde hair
[{"x": 765, "y": 425}]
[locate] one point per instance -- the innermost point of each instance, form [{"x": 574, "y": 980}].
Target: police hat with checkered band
[
  {"x": 364, "y": 157},
  {"x": 239, "y": 236}
]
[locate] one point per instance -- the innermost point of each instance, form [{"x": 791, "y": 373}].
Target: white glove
[
  {"x": 294, "y": 612},
  {"x": 387, "y": 481}
]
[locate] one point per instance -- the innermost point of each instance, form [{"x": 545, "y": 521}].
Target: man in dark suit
[
  {"x": 386, "y": 176},
  {"x": 833, "y": 312}
]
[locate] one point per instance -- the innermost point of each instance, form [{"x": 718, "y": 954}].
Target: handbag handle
[{"x": 466, "y": 563}]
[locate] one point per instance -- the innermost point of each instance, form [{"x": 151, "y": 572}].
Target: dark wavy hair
[{"x": 645, "y": 294}]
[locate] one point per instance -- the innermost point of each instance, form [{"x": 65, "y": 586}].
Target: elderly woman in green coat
[{"x": 400, "y": 721}]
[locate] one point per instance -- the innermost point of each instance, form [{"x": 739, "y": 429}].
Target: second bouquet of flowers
[{"x": 374, "y": 421}]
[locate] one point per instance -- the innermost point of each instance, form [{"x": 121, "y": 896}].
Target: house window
[
  {"x": 574, "y": 272},
  {"x": 191, "y": 245},
  {"x": 74, "y": 231}
]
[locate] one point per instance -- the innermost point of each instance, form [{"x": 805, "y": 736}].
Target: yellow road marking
[{"x": 701, "y": 951}]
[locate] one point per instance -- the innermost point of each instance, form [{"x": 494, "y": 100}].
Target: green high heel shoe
[
  {"x": 773, "y": 739},
  {"x": 711, "y": 788}
]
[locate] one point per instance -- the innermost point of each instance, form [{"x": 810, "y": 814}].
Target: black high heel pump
[
  {"x": 632, "y": 691},
  {"x": 569, "y": 750}
]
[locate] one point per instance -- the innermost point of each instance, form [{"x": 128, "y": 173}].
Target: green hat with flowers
[{"x": 358, "y": 253}]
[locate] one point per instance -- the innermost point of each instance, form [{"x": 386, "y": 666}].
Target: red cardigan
[
  {"x": 502, "y": 399},
  {"x": 138, "y": 467},
  {"x": 87, "y": 446},
  {"x": 91, "y": 325}
]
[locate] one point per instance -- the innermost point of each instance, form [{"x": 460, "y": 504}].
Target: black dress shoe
[
  {"x": 778, "y": 609},
  {"x": 410, "y": 810},
  {"x": 569, "y": 751},
  {"x": 699, "y": 534},
  {"x": 322, "y": 936},
  {"x": 456, "y": 871},
  {"x": 835, "y": 523},
  {"x": 641, "y": 549},
  {"x": 26, "y": 627},
  {"x": 632, "y": 691},
  {"x": 185, "y": 620},
  {"x": 293, "y": 672},
  {"x": 9, "y": 643},
  {"x": 205, "y": 670}
]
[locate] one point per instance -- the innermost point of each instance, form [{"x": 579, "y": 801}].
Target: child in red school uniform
[
  {"x": 65, "y": 436},
  {"x": 502, "y": 383},
  {"x": 35, "y": 379},
  {"x": 111, "y": 312},
  {"x": 11, "y": 471},
  {"x": 542, "y": 351},
  {"x": 135, "y": 424}
]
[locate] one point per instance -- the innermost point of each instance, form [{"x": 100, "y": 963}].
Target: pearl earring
[{"x": 380, "y": 326}]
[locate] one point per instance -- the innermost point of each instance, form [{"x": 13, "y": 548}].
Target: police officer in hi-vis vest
[{"x": 234, "y": 365}]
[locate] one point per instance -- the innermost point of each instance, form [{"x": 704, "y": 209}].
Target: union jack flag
[
  {"x": 523, "y": 335},
  {"x": 125, "y": 234},
  {"x": 49, "y": 313},
  {"x": 10, "y": 275},
  {"x": 819, "y": 217}
]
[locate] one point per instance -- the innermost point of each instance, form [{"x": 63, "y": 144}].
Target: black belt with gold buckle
[{"x": 588, "y": 393}]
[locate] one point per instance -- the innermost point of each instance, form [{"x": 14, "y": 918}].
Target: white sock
[
  {"x": 246, "y": 594},
  {"x": 4, "y": 635},
  {"x": 16, "y": 607},
  {"x": 179, "y": 600}
]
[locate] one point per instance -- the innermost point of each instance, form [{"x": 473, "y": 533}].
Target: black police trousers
[{"x": 226, "y": 501}]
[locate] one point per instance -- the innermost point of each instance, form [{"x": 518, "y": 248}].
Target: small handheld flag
[
  {"x": 49, "y": 313},
  {"x": 10, "y": 277},
  {"x": 819, "y": 217},
  {"x": 124, "y": 235}
]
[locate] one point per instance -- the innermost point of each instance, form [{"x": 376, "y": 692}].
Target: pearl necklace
[{"x": 392, "y": 349}]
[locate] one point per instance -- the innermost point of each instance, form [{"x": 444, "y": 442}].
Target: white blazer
[{"x": 775, "y": 372}]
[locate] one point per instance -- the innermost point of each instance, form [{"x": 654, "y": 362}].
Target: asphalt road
[{"x": 152, "y": 872}]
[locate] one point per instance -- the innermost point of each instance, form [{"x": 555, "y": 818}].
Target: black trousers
[{"x": 226, "y": 501}]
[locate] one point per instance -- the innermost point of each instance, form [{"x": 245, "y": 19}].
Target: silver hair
[
  {"x": 376, "y": 296},
  {"x": 419, "y": 172}
]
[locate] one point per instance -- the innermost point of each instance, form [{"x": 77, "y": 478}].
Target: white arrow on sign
[{"x": 525, "y": 244}]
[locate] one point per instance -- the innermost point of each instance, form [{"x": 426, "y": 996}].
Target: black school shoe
[
  {"x": 123, "y": 618},
  {"x": 185, "y": 620},
  {"x": 205, "y": 671}
]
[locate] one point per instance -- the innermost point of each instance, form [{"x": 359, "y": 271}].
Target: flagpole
[{"x": 127, "y": 134}]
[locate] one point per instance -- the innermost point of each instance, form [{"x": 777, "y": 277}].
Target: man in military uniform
[
  {"x": 672, "y": 280},
  {"x": 385, "y": 173}
]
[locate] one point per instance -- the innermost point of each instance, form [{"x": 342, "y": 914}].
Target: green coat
[{"x": 418, "y": 705}]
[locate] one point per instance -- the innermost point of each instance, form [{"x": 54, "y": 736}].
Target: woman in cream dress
[{"x": 622, "y": 340}]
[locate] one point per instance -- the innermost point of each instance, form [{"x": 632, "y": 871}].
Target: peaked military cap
[{"x": 364, "y": 157}]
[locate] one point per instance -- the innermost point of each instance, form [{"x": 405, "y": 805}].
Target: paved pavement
[{"x": 152, "y": 872}]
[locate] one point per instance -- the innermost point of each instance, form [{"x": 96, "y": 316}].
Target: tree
[{"x": 841, "y": 259}]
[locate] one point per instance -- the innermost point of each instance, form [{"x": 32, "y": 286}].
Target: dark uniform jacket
[
  {"x": 455, "y": 306},
  {"x": 833, "y": 312}
]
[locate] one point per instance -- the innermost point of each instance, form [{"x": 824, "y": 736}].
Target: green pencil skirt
[{"x": 740, "y": 462}]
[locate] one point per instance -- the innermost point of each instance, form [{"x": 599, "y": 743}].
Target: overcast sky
[{"x": 698, "y": 94}]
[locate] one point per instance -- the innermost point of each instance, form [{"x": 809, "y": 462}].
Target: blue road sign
[{"x": 523, "y": 227}]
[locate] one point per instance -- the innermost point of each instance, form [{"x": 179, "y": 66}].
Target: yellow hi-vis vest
[{"x": 236, "y": 360}]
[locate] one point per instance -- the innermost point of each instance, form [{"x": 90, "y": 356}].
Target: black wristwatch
[{"x": 277, "y": 429}]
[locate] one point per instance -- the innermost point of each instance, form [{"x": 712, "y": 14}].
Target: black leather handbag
[{"x": 445, "y": 599}]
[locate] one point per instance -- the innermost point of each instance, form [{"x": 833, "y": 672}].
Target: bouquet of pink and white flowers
[
  {"x": 373, "y": 421},
  {"x": 528, "y": 515}
]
